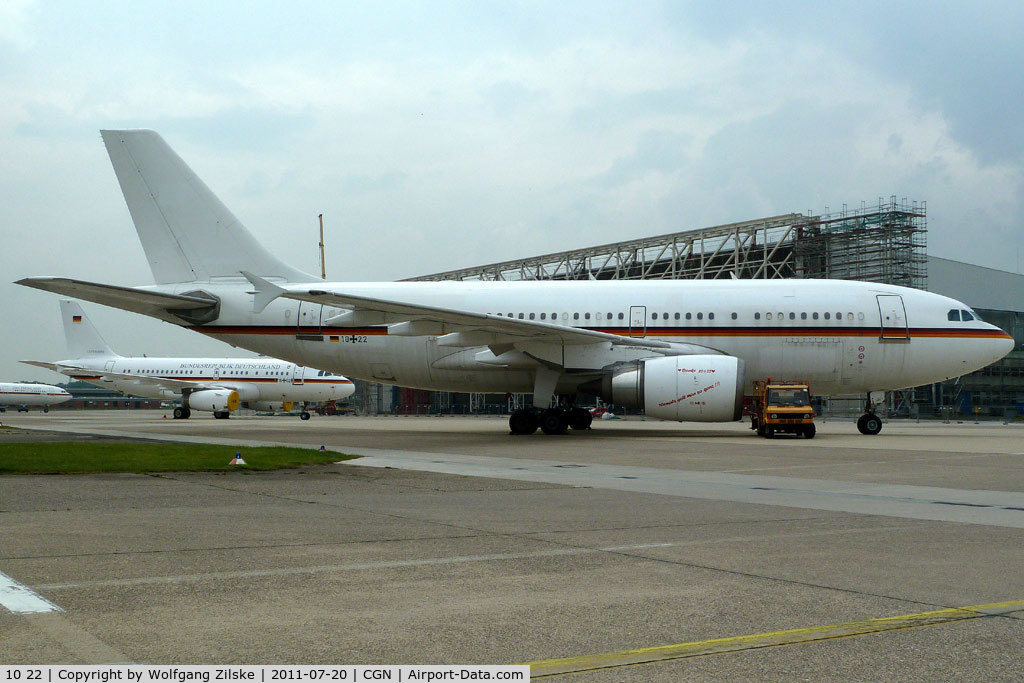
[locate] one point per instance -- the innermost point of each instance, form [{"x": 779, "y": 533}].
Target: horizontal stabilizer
[
  {"x": 43, "y": 364},
  {"x": 170, "y": 307}
]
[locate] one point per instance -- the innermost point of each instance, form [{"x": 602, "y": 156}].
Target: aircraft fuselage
[{"x": 844, "y": 337}]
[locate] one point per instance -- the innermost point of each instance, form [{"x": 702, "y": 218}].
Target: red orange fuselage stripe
[{"x": 921, "y": 332}]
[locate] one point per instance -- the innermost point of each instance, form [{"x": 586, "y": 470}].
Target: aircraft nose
[
  {"x": 1000, "y": 345},
  {"x": 1006, "y": 345}
]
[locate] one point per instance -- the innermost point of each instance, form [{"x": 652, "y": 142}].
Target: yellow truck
[{"x": 782, "y": 408}]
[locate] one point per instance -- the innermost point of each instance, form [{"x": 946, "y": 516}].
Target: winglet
[{"x": 265, "y": 291}]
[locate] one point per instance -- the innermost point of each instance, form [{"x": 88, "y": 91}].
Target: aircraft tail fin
[
  {"x": 187, "y": 233},
  {"x": 84, "y": 340}
]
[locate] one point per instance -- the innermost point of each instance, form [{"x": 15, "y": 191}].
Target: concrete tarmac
[{"x": 576, "y": 559}]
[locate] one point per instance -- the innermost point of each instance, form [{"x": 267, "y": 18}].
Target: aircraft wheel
[
  {"x": 46, "y": 410},
  {"x": 809, "y": 431},
  {"x": 580, "y": 418},
  {"x": 179, "y": 413},
  {"x": 553, "y": 421},
  {"x": 304, "y": 415},
  {"x": 522, "y": 422},
  {"x": 869, "y": 424}
]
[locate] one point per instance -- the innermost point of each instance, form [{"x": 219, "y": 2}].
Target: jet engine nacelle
[
  {"x": 214, "y": 400},
  {"x": 707, "y": 388}
]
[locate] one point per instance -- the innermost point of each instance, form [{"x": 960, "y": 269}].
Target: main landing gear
[
  {"x": 869, "y": 423},
  {"x": 550, "y": 421},
  {"x": 182, "y": 413}
]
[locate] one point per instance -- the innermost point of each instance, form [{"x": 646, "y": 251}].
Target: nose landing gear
[{"x": 869, "y": 423}]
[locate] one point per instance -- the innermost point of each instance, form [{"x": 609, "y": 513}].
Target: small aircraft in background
[
  {"x": 24, "y": 394},
  {"x": 219, "y": 385}
]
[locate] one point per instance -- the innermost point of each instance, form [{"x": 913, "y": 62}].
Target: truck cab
[{"x": 782, "y": 407}]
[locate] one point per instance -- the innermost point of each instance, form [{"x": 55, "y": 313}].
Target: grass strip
[{"x": 75, "y": 457}]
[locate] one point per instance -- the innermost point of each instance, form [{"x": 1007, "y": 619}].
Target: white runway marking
[
  {"x": 365, "y": 566},
  {"x": 21, "y": 599}
]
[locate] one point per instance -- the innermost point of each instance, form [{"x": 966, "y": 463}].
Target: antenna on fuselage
[{"x": 323, "y": 263}]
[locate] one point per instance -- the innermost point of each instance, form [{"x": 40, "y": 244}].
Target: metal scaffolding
[{"x": 882, "y": 244}]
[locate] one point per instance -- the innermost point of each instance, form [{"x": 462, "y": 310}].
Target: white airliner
[
  {"x": 220, "y": 385},
  {"x": 680, "y": 349},
  {"x": 23, "y": 395}
]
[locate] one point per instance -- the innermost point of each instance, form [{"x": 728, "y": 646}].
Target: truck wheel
[
  {"x": 809, "y": 432},
  {"x": 769, "y": 432}
]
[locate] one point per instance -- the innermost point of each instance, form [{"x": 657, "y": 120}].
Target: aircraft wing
[
  {"x": 506, "y": 330},
  {"x": 518, "y": 330},
  {"x": 133, "y": 299}
]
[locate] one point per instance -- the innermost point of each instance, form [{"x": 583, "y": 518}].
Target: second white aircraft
[{"x": 219, "y": 385}]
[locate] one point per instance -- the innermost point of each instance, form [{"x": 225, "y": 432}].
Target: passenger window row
[{"x": 827, "y": 315}]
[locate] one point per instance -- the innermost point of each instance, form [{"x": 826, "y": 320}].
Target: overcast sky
[{"x": 441, "y": 135}]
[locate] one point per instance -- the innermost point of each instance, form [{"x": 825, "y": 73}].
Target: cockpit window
[
  {"x": 970, "y": 315},
  {"x": 953, "y": 315}
]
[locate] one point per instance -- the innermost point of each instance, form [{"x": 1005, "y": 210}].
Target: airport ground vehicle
[{"x": 782, "y": 407}]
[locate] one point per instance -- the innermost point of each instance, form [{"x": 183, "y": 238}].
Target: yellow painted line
[{"x": 647, "y": 655}]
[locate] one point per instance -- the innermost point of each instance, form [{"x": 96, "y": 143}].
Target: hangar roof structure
[{"x": 880, "y": 243}]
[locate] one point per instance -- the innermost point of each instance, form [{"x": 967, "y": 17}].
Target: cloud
[{"x": 16, "y": 24}]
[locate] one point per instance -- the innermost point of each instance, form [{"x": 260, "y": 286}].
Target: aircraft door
[
  {"x": 893, "y": 316},
  {"x": 297, "y": 374},
  {"x": 637, "y": 321},
  {"x": 308, "y": 323}
]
